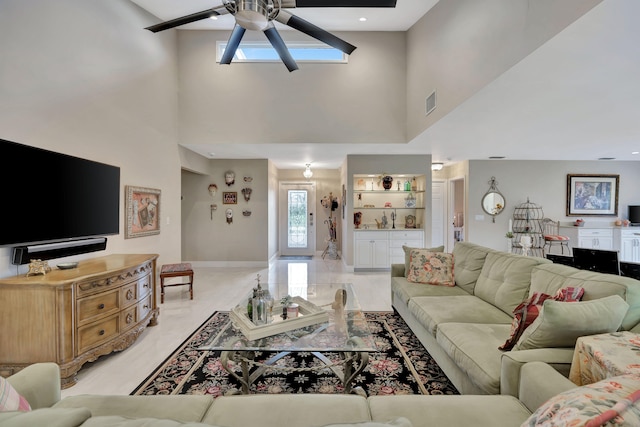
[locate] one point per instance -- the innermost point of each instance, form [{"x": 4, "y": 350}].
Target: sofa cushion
[
  {"x": 433, "y": 311},
  {"x": 231, "y": 411},
  {"x": 559, "y": 324},
  {"x": 50, "y": 417},
  {"x": 450, "y": 410},
  {"x": 474, "y": 349},
  {"x": 548, "y": 278},
  {"x": 180, "y": 407},
  {"x": 396, "y": 422},
  {"x": 469, "y": 261},
  {"x": 407, "y": 255},
  {"x": 505, "y": 279},
  {"x": 597, "y": 403},
  {"x": 527, "y": 312},
  {"x": 433, "y": 268},
  {"x": 10, "y": 399},
  {"x": 118, "y": 421},
  {"x": 406, "y": 290}
]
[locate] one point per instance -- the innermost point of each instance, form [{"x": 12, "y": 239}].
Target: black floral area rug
[{"x": 400, "y": 366}]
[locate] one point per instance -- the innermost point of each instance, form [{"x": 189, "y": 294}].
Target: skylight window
[{"x": 301, "y": 52}]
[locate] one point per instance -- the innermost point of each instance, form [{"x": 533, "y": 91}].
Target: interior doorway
[
  {"x": 438, "y": 213},
  {"x": 297, "y": 223}
]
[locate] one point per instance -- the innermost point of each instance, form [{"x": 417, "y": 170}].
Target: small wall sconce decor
[
  {"x": 246, "y": 192},
  {"x": 213, "y": 189},
  {"x": 307, "y": 172}
]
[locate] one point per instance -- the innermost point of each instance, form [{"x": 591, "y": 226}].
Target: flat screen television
[
  {"x": 53, "y": 197},
  {"x": 600, "y": 260},
  {"x": 634, "y": 215}
]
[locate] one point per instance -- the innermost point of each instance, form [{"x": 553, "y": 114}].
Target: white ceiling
[
  {"x": 401, "y": 18},
  {"x": 575, "y": 98}
]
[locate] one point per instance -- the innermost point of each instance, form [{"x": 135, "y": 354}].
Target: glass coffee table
[{"x": 343, "y": 331}]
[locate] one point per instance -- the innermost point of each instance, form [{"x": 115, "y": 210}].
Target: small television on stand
[
  {"x": 599, "y": 260},
  {"x": 634, "y": 215}
]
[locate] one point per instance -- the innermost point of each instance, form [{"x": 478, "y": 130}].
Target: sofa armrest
[
  {"x": 38, "y": 383},
  {"x": 397, "y": 270},
  {"x": 540, "y": 382},
  {"x": 513, "y": 361}
]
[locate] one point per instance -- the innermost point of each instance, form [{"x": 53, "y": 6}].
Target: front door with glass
[{"x": 297, "y": 222}]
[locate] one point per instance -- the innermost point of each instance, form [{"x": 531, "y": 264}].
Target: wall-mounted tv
[
  {"x": 634, "y": 215},
  {"x": 52, "y": 197}
]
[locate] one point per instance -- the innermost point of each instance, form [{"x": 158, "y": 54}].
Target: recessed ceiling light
[
  {"x": 635, "y": 152},
  {"x": 211, "y": 153},
  {"x": 363, "y": 19},
  {"x": 215, "y": 18},
  {"x": 496, "y": 157},
  {"x": 606, "y": 158}
]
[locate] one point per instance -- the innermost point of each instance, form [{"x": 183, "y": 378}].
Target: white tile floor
[{"x": 215, "y": 289}]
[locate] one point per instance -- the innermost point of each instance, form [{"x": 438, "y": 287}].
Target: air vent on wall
[{"x": 430, "y": 103}]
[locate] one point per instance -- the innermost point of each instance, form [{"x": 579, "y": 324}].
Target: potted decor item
[{"x": 387, "y": 182}]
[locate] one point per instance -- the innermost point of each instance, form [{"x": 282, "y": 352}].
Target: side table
[
  {"x": 597, "y": 357},
  {"x": 176, "y": 270}
]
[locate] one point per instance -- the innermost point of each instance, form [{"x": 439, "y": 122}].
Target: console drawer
[
  {"x": 97, "y": 306},
  {"x": 94, "y": 334}
]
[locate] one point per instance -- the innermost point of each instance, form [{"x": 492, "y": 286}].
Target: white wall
[
  {"x": 207, "y": 237},
  {"x": 83, "y": 78},
  {"x": 362, "y": 101},
  {"x": 460, "y": 46},
  {"x": 544, "y": 183}
]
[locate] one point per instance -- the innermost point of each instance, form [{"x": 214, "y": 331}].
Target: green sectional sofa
[
  {"x": 463, "y": 326},
  {"x": 40, "y": 385}
]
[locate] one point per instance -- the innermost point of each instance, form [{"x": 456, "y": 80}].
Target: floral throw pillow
[
  {"x": 613, "y": 401},
  {"x": 10, "y": 399},
  {"x": 528, "y": 311},
  {"x": 433, "y": 268}
]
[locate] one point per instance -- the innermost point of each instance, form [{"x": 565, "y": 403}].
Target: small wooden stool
[{"x": 176, "y": 270}]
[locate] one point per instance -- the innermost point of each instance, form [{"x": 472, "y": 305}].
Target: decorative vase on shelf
[{"x": 387, "y": 182}]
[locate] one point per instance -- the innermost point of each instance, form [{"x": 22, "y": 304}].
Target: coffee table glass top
[{"x": 346, "y": 328}]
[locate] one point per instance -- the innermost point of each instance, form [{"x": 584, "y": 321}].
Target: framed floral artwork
[
  {"x": 592, "y": 194},
  {"x": 142, "y": 211}
]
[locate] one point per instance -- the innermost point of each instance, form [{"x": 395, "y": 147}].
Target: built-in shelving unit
[{"x": 388, "y": 218}]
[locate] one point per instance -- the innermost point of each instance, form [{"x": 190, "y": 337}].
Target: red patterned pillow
[{"x": 527, "y": 311}]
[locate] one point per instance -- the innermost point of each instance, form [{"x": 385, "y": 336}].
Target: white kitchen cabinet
[
  {"x": 595, "y": 238},
  {"x": 371, "y": 250},
  {"x": 630, "y": 246},
  {"x": 400, "y": 238}
]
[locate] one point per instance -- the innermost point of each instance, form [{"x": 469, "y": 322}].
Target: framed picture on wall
[
  {"x": 229, "y": 197},
  {"x": 592, "y": 194},
  {"x": 142, "y": 211}
]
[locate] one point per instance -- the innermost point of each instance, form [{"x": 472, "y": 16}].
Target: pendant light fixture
[{"x": 307, "y": 172}]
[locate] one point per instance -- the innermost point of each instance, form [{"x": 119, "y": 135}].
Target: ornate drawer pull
[
  {"x": 129, "y": 318},
  {"x": 145, "y": 306},
  {"x": 101, "y": 332},
  {"x": 129, "y": 294},
  {"x": 101, "y": 306}
]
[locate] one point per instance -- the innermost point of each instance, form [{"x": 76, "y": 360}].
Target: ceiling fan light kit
[{"x": 258, "y": 15}]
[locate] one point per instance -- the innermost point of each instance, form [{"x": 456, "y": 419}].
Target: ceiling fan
[{"x": 259, "y": 15}]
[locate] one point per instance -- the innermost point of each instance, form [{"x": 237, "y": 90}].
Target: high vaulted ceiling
[{"x": 574, "y": 98}]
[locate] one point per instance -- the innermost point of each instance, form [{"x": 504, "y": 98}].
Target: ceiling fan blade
[
  {"x": 278, "y": 44},
  {"x": 198, "y": 16},
  {"x": 314, "y": 31},
  {"x": 232, "y": 44},
  {"x": 345, "y": 3}
]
